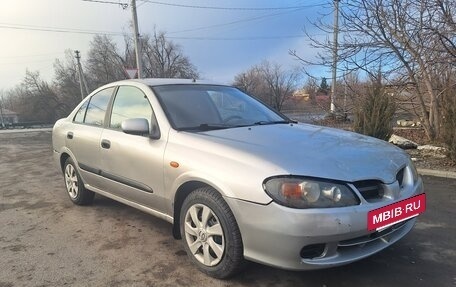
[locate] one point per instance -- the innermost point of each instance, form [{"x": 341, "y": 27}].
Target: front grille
[
  {"x": 371, "y": 190},
  {"x": 375, "y": 190}
]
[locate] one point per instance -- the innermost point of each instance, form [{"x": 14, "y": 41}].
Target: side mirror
[
  {"x": 135, "y": 126},
  {"x": 140, "y": 126}
]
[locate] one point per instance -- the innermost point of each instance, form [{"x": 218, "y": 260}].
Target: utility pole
[
  {"x": 345, "y": 96},
  {"x": 82, "y": 80},
  {"x": 137, "y": 39},
  {"x": 334, "y": 65}
]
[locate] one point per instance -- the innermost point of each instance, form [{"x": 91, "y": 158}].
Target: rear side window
[
  {"x": 79, "y": 117},
  {"x": 97, "y": 107},
  {"x": 130, "y": 102}
]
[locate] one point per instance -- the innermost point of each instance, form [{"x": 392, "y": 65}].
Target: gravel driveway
[{"x": 45, "y": 240}]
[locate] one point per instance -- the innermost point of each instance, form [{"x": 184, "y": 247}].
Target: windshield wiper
[
  {"x": 261, "y": 123},
  {"x": 210, "y": 127},
  {"x": 206, "y": 127}
]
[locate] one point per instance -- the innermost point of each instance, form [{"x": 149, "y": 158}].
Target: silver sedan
[{"x": 238, "y": 180}]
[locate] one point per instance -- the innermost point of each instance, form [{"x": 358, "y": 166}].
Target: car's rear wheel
[
  {"x": 210, "y": 233},
  {"x": 75, "y": 187}
]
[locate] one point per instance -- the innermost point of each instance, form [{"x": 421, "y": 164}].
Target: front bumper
[{"x": 276, "y": 235}]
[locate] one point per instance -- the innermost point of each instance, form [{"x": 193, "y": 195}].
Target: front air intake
[{"x": 312, "y": 251}]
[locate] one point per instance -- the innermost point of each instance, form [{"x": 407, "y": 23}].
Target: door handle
[
  {"x": 70, "y": 135},
  {"x": 105, "y": 144}
]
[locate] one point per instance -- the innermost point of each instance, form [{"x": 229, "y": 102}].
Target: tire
[
  {"x": 210, "y": 234},
  {"x": 74, "y": 186}
]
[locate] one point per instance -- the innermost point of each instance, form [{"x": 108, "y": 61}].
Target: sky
[{"x": 220, "y": 42}]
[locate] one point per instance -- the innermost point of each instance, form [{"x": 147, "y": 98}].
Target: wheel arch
[
  {"x": 63, "y": 157},
  {"x": 64, "y": 154},
  {"x": 181, "y": 194}
]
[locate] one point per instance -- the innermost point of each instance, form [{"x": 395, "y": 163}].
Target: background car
[{"x": 237, "y": 179}]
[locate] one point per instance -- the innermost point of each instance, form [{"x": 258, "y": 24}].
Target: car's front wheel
[
  {"x": 210, "y": 233},
  {"x": 75, "y": 187}
]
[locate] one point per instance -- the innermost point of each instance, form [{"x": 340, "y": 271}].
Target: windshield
[{"x": 206, "y": 107}]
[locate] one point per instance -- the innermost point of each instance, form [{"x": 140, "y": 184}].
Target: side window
[
  {"x": 97, "y": 107},
  {"x": 79, "y": 117},
  {"x": 130, "y": 102}
]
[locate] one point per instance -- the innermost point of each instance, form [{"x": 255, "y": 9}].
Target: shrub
[
  {"x": 449, "y": 123},
  {"x": 374, "y": 113}
]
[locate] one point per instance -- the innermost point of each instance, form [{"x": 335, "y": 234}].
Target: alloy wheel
[
  {"x": 204, "y": 235},
  {"x": 71, "y": 181}
]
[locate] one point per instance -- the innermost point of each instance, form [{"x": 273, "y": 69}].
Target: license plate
[{"x": 383, "y": 217}]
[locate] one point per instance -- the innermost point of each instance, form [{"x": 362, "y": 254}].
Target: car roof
[{"x": 160, "y": 82}]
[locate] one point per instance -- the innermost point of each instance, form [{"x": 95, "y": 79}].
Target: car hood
[{"x": 307, "y": 150}]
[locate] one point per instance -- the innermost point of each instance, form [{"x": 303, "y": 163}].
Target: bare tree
[
  {"x": 35, "y": 99},
  {"x": 251, "y": 82},
  {"x": 281, "y": 83},
  {"x": 66, "y": 83},
  {"x": 104, "y": 62},
  {"x": 311, "y": 87},
  {"x": 163, "y": 58},
  {"x": 443, "y": 23},
  {"x": 268, "y": 82},
  {"x": 411, "y": 40}
]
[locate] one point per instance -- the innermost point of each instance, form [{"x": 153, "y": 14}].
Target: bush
[
  {"x": 374, "y": 113},
  {"x": 449, "y": 123}
]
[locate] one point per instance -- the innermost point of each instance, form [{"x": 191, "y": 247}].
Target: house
[{"x": 301, "y": 94}]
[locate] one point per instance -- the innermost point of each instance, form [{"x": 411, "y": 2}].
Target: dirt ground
[
  {"x": 422, "y": 158},
  {"x": 45, "y": 240}
]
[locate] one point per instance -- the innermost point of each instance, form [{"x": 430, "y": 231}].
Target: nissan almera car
[{"x": 238, "y": 180}]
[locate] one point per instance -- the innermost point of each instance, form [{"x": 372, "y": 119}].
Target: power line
[
  {"x": 123, "y": 5},
  {"x": 235, "y": 22},
  {"x": 28, "y": 62},
  {"x": 230, "y": 8},
  {"x": 32, "y": 56},
  {"x": 56, "y": 29},
  {"x": 237, "y": 38},
  {"x": 93, "y": 32},
  {"x": 111, "y": 33}
]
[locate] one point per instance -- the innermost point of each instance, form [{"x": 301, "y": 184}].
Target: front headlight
[{"x": 301, "y": 192}]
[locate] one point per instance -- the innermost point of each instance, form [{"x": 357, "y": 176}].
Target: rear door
[
  {"x": 83, "y": 137},
  {"x": 132, "y": 164}
]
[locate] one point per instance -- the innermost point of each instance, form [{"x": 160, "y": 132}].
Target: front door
[{"x": 132, "y": 164}]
